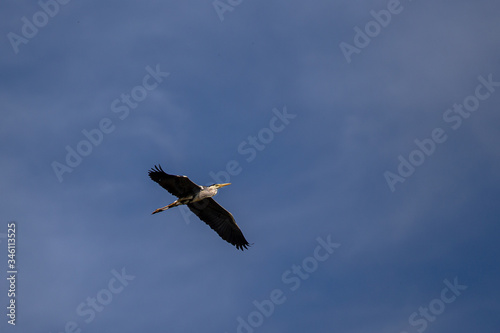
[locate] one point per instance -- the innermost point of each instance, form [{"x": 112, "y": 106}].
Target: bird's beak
[{"x": 222, "y": 185}]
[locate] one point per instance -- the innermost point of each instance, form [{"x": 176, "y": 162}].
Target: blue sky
[{"x": 361, "y": 140}]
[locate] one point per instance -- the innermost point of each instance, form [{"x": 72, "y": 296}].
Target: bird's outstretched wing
[
  {"x": 180, "y": 186},
  {"x": 220, "y": 220}
]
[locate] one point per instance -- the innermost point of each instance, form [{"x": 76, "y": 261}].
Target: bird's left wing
[
  {"x": 220, "y": 220},
  {"x": 180, "y": 186}
]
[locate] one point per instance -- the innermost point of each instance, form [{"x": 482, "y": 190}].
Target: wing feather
[
  {"x": 220, "y": 220},
  {"x": 180, "y": 186}
]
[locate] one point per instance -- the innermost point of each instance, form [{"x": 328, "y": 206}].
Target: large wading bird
[{"x": 199, "y": 200}]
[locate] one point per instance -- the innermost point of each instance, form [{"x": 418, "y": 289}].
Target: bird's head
[
  {"x": 214, "y": 188},
  {"x": 218, "y": 186}
]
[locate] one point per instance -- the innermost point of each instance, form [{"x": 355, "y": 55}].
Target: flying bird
[{"x": 199, "y": 201}]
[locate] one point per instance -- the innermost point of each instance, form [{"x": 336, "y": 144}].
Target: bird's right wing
[
  {"x": 220, "y": 220},
  {"x": 180, "y": 186}
]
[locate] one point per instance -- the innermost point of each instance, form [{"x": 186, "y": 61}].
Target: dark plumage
[{"x": 199, "y": 201}]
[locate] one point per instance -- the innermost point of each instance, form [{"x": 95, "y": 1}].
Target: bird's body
[
  {"x": 203, "y": 192},
  {"x": 199, "y": 201}
]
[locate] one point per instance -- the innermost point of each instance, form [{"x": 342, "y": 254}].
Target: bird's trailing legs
[{"x": 173, "y": 204}]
